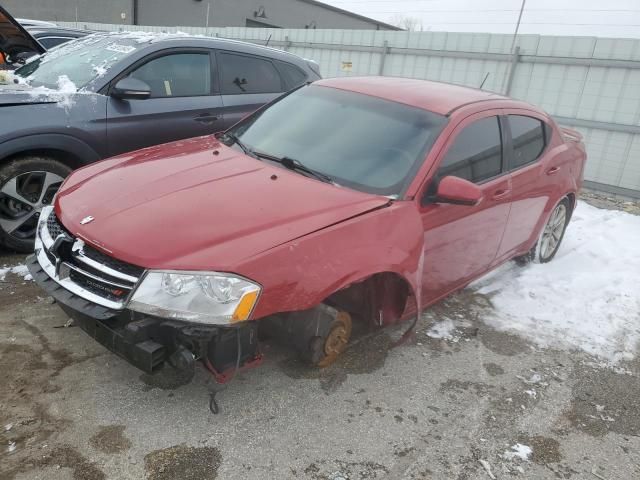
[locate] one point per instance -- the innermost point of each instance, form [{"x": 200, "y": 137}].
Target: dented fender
[{"x": 302, "y": 273}]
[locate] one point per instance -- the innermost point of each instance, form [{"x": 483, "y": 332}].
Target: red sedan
[{"x": 352, "y": 199}]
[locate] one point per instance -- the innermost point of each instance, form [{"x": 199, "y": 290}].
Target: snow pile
[
  {"x": 523, "y": 452},
  {"x": 21, "y": 270},
  {"x": 63, "y": 94},
  {"x": 587, "y": 297}
]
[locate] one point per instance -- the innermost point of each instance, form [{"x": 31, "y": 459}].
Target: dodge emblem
[{"x": 86, "y": 220}]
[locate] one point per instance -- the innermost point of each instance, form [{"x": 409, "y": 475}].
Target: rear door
[
  {"x": 246, "y": 82},
  {"x": 184, "y": 102},
  {"x": 532, "y": 185},
  {"x": 462, "y": 241}
]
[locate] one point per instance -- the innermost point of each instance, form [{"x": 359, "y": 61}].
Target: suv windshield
[
  {"x": 360, "y": 141},
  {"x": 80, "y": 60}
]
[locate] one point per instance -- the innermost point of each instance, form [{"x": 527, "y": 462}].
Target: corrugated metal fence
[{"x": 589, "y": 83}]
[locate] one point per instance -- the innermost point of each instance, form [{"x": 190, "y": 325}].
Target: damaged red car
[{"x": 347, "y": 200}]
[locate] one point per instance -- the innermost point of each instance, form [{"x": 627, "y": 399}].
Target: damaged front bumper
[{"x": 148, "y": 342}]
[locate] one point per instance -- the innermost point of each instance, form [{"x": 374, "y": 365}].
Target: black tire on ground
[
  {"x": 539, "y": 254},
  {"x": 26, "y": 185}
]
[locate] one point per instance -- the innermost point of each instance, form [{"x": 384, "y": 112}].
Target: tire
[
  {"x": 551, "y": 237},
  {"x": 27, "y": 184}
]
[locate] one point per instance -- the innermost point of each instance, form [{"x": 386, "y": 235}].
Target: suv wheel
[{"x": 27, "y": 185}]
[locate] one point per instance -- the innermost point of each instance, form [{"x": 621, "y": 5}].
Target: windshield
[
  {"x": 80, "y": 60},
  {"x": 360, "y": 141}
]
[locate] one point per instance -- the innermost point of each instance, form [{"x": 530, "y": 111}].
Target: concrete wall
[
  {"x": 107, "y": 11},
  {"x": 222, "y": 13}
]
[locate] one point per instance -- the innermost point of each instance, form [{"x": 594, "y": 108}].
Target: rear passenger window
[
  {"x": 293, "y": 76},
  {"x": 528, "y": 136},
  {"x": 246, "y": 74},
  {"x": 476, "y": 154}
]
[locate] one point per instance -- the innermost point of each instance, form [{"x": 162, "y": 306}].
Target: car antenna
[
  {"x": 268, "y": 39},
  {"x": 485, "y": 79}
]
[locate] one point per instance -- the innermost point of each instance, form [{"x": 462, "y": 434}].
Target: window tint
[
  {"x": 292, "y": 75},
  {"x": 244, "y": 74},
  {"x": 528, "y": 139},
  {"x": 476, "y": 154},
  {"x": 177, "y": 75}
]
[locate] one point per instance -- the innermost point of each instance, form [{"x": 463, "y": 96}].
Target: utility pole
[{"x": 515, "y": 34}]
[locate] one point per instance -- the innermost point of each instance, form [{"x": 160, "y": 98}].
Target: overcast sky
[{"x": 606, "y": 18}]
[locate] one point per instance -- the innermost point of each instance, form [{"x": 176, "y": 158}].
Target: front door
[
  {"x": 461, "y": 241},
  {"x": 184, "y": 103}
]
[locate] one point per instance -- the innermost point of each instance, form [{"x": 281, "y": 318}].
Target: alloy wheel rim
[
  {"x": 553, "y": 231},
  {"x": 22, "y": 198}
]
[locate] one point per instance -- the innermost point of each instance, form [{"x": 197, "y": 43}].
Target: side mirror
[
  {"x": 458, "y": 191},
  {"x": 131, "y": 89}
]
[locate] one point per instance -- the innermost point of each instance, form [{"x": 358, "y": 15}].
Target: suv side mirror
[
  {"x": 458, "y": 191},
  {"x": 131, "y": 89}
]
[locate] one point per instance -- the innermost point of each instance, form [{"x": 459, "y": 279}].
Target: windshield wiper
[
  {"x": 295, "y": 165},
  {"x": 237, "y": 141}
]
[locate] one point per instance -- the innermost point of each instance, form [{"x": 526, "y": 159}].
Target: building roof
[
  {"x": 436, "y": 97},
  {"x": 351, "y": 14}
]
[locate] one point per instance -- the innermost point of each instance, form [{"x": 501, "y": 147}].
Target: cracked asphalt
[{"x": 426, "y": 409}]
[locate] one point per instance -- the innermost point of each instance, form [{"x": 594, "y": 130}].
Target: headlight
[{"x": 207, "y": 297}]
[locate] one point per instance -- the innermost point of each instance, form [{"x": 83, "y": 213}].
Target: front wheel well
[
  {"x": 69, "y": 159},
  {"x": 380, "y": 299}
]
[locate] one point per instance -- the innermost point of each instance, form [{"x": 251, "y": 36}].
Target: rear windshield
[
  {"x": 362, "y": 142},
  {"x": 80, "y": 60}
]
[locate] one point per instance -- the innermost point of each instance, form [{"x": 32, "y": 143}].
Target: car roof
[
  {"x": 38, "y": 30},
  {"x": 437, "y": 97}
]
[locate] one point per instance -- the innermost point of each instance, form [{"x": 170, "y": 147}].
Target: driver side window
[
  {"x": 177, "y": 75},
  {"x": 476, "y": 154}
]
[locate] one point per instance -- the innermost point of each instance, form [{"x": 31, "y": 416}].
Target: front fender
[
  {"x": 50, "y": 141},
  {"x": 305, "y": 271}
]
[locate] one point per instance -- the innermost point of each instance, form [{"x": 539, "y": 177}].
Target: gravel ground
[{"x": 427, "y": 409}]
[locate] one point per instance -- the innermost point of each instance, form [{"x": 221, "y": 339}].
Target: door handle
[
  {"x": 498, "y": 194},
  {"x": 205, "y": 118},
  {"x": 553, "y": 170}
]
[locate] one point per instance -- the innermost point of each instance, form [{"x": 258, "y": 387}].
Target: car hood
[
  {"x": 14, "y": 39},
  {"x": 198, "y": 205}
]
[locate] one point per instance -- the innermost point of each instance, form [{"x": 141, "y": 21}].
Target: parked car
[
  {"x": 50, "y": 37},
  {"x": 363, "y": 199},
  {"x": 106, "y": 94},
  {"x": 28, "y": 22},
  {"x": 16, "y": 45}
]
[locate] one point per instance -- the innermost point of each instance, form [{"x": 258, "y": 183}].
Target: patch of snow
[
  {"x": 12, "y": 447},
  {"x": 532, "y": 393},
  {"x": 586, "y": 298},
  {"x": 446, "y": 329},
  {"x": 21, "y": 270},
  {"x": 63, "y": 94},
  {"x": 523, "y": 452}
]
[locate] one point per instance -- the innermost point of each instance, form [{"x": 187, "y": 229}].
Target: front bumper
[
  {"x": 124, "y": 335},
  {"x": 147, "y": 342}
]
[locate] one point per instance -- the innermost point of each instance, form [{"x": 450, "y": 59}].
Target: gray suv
[{"x": 106, "y": 94}]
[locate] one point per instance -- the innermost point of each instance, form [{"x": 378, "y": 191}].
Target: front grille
[
  {"x": 54, "y": 226},
  {"x": 89, "y": 269}
]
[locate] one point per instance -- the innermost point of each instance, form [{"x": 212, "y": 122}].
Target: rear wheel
[
  {"x": 549, "y": 242},
  {"x": 27, "y": 185}
]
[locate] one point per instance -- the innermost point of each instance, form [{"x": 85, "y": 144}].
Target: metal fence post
[
  {"x": 383, "y": 56},
  {"x": 515, "y": 58},
  {"x": 287, "y": 43}
]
